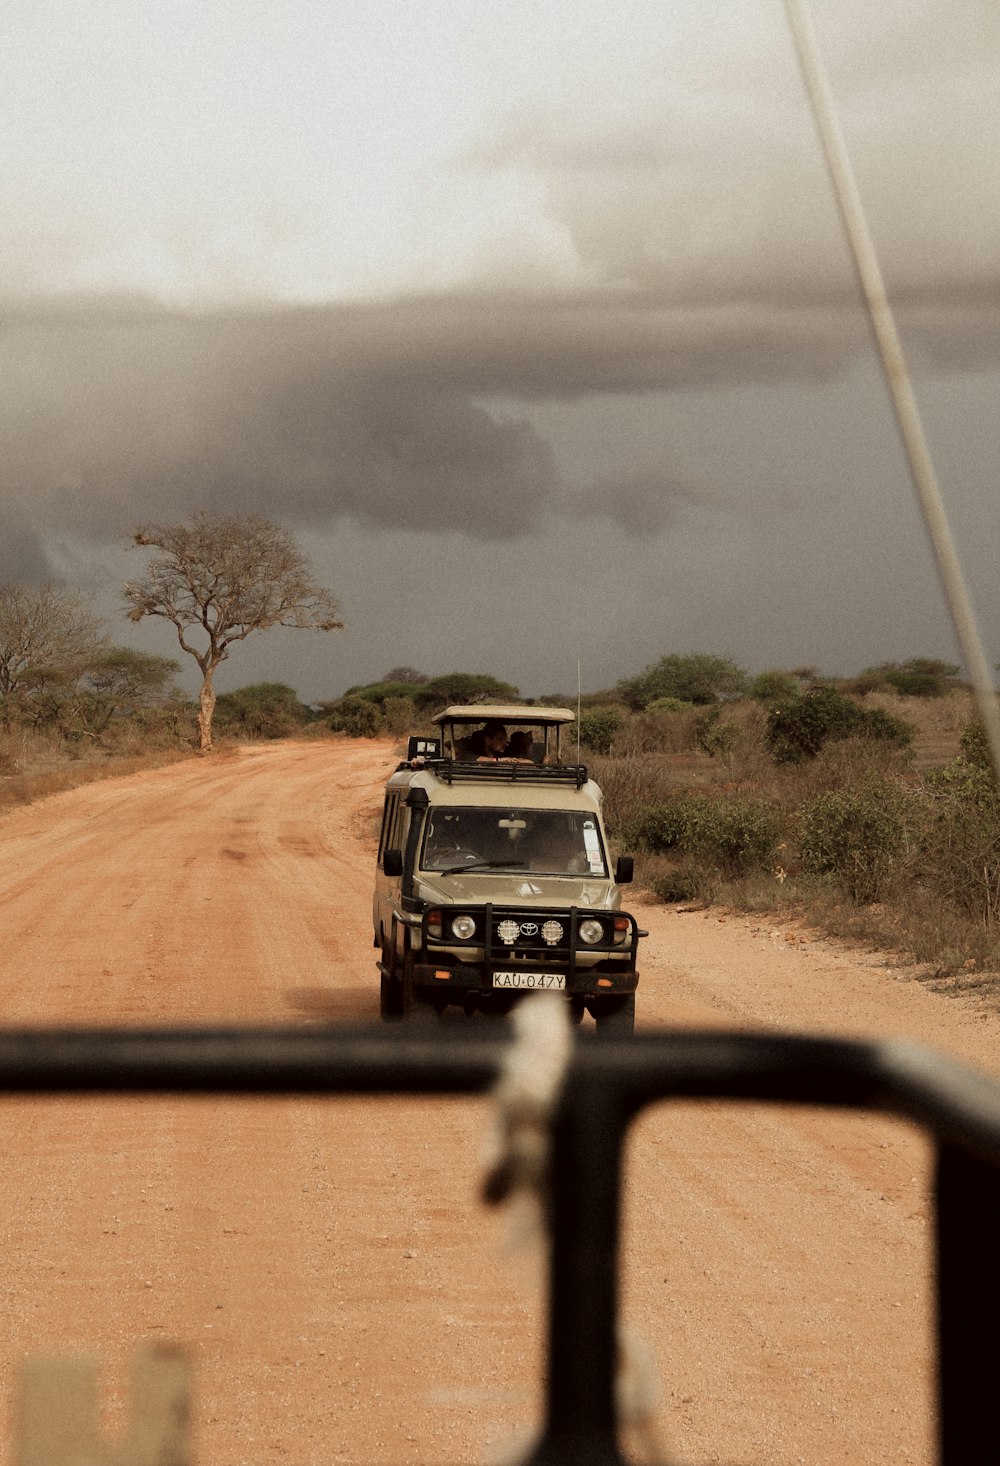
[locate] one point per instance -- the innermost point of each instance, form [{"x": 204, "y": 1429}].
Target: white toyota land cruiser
[{"x": 493, "y": 875}]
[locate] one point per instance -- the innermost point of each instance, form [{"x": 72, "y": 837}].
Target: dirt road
[{"x": 345, "y": 1297}]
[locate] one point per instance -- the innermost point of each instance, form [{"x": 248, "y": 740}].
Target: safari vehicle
[{"x": 494, "y": 877}]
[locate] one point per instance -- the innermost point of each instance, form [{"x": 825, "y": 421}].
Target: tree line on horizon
[{"x": 218, "y": 579}]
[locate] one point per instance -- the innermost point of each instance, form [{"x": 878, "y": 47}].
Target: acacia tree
[
  {"x": 47, "y": 637},
  {"x": 699, "y": 677},
  {"x": 121, "y": 680},
  {"x": 217, "y": 579}
]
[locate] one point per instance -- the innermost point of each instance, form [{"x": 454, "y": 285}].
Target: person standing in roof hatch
[
  {"x": 519, "y": 748},
  {"x": 487, "y": 742}
]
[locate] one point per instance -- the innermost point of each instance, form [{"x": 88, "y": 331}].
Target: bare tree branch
[{"x": 46, "y": 636}]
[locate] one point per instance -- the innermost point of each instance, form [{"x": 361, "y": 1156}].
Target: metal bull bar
[{"x": 607, "y": 1084}]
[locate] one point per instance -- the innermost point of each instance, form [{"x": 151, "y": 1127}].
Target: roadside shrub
[
  {"x": 918, "y": 677},
  {"x": 357, "y": 717},
  {"x": 738, "y": 835},
  {"x": 699, "y": 677},
  {"x": 734, "y": 836},
  {"x": 857, "y": 836},
  {"x": 960, "y": 852},
  {"x": 662, "y": 827},
  {"x": 659, "y": 731},
  {"x": 668, "y": 705},
  {"x": 598, "y": 728},
  {"x": 380, "y": 692},
  {"x": 773, "y": 687},
  {"x": 682, "y": 882},
  {"x": 976, "y": 746},
  {"x": 798, "y": 728},
  {"x": 715, "y": 736},
  {"x": 262, "y": 710},
  {"x": 630, "y": 784},
  {"x": 877, "y": 724},
  {"x": 462, "y": 687},
  {"x": 399, "y": 714}
]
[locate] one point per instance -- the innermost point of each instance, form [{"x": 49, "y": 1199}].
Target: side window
[
  {"x": 399, "y": 824},
  {"x": 385, "y": 841}
]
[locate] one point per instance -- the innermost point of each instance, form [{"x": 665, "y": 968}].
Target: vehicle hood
[{"x": 518, "y": 889}]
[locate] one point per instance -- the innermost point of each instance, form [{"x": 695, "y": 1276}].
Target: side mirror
[
  {"x": 392, "y": 862},
  {"x": 623, "y": 870}
]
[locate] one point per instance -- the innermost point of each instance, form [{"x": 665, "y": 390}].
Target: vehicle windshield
[{"x": 546, "y": 842}]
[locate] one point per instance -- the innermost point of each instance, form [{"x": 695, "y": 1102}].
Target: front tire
[
  {"x": 390, "y": 992},
  {"x": 416, "y": 1008},
  {"x": 616, "y": 1017}
]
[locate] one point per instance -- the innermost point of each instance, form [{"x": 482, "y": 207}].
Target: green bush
[
  {"x": 773, "y": 686},
  {"x": 799, "y": 727},
  {"x": 960, "y": 851},
  {"x": 432, "y": 693},
  {"x": 715, "y": 736},
  {"x": 598, "y": 727},
  {"x": 734, "y": 836},
  {"x": 462, "y": 687},
  {"x": 857, "y": 836},
  {"x": 662, "y": 827},
  {"x": 399, "y": 714},
  {"x": 379, "y": 692},
  {"x": 918, "y": 677},
  {"x": 699, "y": 677},
  {"x": 976, "y": 746},
  {"x": 357, "y": 717},
  {"x": 262, "y": 710},
  {"x": 684, "y": 882}
]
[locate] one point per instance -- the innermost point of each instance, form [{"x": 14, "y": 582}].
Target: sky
[{"x": 533, "y": 322}]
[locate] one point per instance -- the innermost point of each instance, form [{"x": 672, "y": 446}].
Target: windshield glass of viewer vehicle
[{"x": 548, "y": 842}]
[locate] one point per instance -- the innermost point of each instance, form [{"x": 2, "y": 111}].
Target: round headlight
[
  {"x": 463, "y": 927},
  {"x": 591, "y": 931}
]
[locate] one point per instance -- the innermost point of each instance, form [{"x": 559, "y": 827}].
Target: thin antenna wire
[
  {"x": 894, "y": 367},
  {"x": 579, "y": 700}
]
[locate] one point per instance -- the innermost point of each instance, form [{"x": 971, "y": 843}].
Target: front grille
[
  {"x": 550, "y": 935},
  {"x": 534, "y": 931}
]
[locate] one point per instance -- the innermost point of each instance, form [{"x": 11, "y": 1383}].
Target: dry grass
[
  {"x": 916, "y": 921},
  {"x": 36, "y": 765},
  {"x": 937, "y": 723}
]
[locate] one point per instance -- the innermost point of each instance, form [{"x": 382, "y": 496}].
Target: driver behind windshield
[
  {"x": 458, "y": 839},
  {"x": 454, "y": 838}
]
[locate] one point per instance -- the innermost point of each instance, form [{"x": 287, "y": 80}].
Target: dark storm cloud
[
  {"x": 641, "y": 503},
  {"x": 22, "y": 553},
  {"x": 116, "y": 411},
  {"x": 113, "y": 416}
]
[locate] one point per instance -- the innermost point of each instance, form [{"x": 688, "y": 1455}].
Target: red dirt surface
[{"x": 343, "y": 1293}]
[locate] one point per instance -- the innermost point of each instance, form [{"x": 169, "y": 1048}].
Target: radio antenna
[{"x": 579, "y": 699}]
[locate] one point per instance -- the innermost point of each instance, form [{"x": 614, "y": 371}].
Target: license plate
[{"x": 529, "y": 980}]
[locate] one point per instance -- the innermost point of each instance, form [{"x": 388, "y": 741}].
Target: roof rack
[{"x": 504, "y": 771}]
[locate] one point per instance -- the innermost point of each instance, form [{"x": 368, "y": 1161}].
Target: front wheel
[
  {"x": 616, "y": 1017},
  {"x": 390, "y": 992},
  {"x": 416, "y": 1008}
]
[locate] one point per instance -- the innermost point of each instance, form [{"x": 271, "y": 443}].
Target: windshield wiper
[{"x": 454, "y": 870}]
